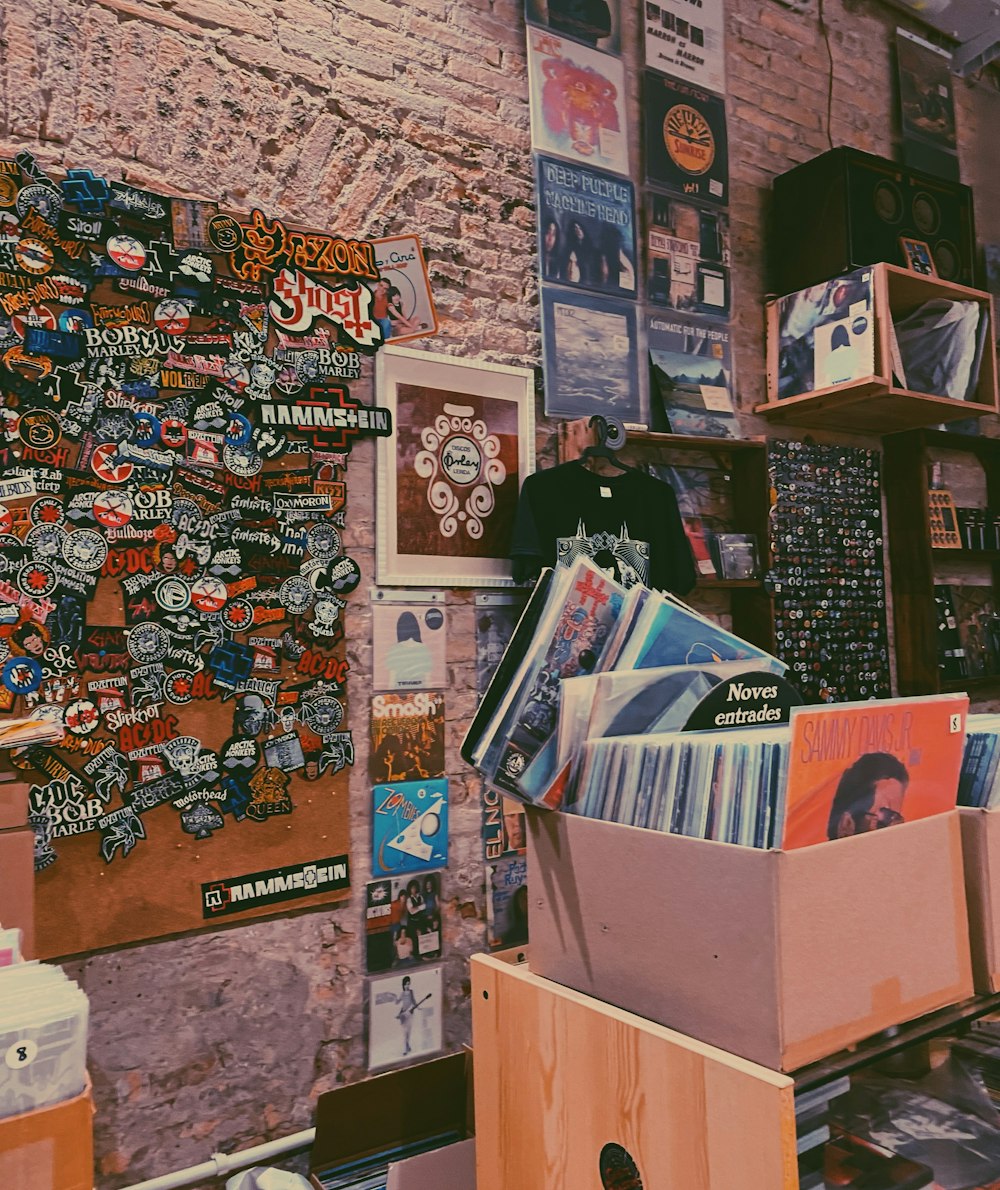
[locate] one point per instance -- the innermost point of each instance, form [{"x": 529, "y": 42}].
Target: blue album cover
[
  {"x": 687, "y": 150},
  {"x": 586, "y": 228},
  {"x": 590, "y": 352},
  {"x": 691, "y": 372},
  {"x": 409, "y": 827}
]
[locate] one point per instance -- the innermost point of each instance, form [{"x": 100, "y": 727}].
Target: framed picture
[
  {"x": 917, "y": 256},
  {"x": 449, "y": 478}
]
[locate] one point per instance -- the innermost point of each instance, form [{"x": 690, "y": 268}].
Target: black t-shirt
[{"x": 629, "y": 524}]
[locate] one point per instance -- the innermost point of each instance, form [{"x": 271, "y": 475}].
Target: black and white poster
[
  {"x": 590, "y": 354},
  {"x": 686, "y": 39},
  {"x": 586, "y": 228},
  {"x": 404, "y": 1016},
  {"x": 685, "y": 137},
  {"x": 687, "y": 255}
]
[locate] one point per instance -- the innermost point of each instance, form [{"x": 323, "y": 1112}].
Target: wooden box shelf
[{"x": 875, "y": 404}]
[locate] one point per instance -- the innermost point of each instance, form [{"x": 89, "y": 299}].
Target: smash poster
[
  {"x": 407, "y": 736},
  {"x": 409, "y": 827},
  {"x": 864, "y": 766},
  {"x": 687, "y": 151},
  {"x": 577, "y": 102}
]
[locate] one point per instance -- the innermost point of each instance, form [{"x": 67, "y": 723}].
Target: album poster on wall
[
  {"x": 586, "y": 228},
  {"x": 507, "y": 903},
  {"x": 402, "y": 921},
  {"x": 596, "y": 23},
  {"x": 407, "y": 736},
  {"x": 496, "y": 617},
  {"x": 686, "y": 39},
  {"x": 409, "y": 827},
  {"x": 692, "y": 374},
  {"x": 926, "y": 106},
  {"x": 687, "y": 255},
  {"x": 685, "y": 137},
  {"x": 449, "y": 479},
  {"x": 409, "y": 638},
  {"x": 404, "y": 1016},
  {"x": 591, "y": 358},
  {"x": 402, "y": 298},
  {"x": 577, "y": 102}
]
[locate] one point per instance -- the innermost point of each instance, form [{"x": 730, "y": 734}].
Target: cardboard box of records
[
  {"x": 979, "y": 810},
  {"x": 782, "y": 957},
  {"x": 51, "y": 1148}
]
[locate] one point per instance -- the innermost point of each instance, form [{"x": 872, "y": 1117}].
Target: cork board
[{"x": 174, "y": 442}]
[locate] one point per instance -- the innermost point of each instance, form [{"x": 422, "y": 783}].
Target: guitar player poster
[{"x": 404, "y": 1017}]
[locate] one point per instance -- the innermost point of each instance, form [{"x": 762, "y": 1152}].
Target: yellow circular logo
[
  {"x": 689, "y": 139},
  {"x": 8, "y": 191}
]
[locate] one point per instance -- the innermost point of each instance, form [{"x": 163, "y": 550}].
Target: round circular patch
[
  {"x": 172, "y": 594},
  {"x": 461, "y": 459},
  {"x": 237, "y": 615},
  {"x": 326, "y": 715},
  {"x": 269, "y": 441},
  {"x": 146, "y": 429},
  {"x": 126, "y": 252},
  {"x": 287, "y": 380},
  {"x": 178, "y": 687},
  {"x": 46, "y": 200},
  {"x": 323, "y": 541},
  {"x": 618, "y": 1170},
  {"x": 342, "y": 575},
  {"x": 40, "y": 316},
  {"x": 235, "y": 376},
  {"x": 39, "y": 428},
  {"x": 45, "y": 541},
  {"x": 34, "y": 256},
  {"x": 238, "y": 430},
  {"x": 209, "y": 594},
  {"x": 147, "y": 643},
  {"x": 242, "y": 460},
  {"x": 107, "y": 464},
  {"x": 21, "y": 675},
  {"x": 6, "y": 523},
  {"x": 8, "y": 191},
  {"x": 225, "y": 233},
  {"x": 689, "y": 140},
  {"x": 434, "y": 618},
  {"x": 75, "y": 321},
  {"x": 85, "y": 549},
  {"x": 173, "y": 433},
  {"x": 113, "y": 510},
  {"x": 296, "y": 594},
  {"x": 172, "y": 316},
  {"x": 81, "y": 716},
  {"x": 47, "y": 510}
]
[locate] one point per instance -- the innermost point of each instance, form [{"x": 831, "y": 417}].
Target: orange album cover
[{"x": 863, "y": 766}]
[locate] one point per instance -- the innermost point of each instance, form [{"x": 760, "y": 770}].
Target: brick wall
[{"x": 370, "y": 117}]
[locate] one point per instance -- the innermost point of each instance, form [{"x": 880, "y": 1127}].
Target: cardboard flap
[
  {"x": 453, "y": 1167},
  {"x": 13, "y": 804},
  {"x": 868, "y": 905},
  {"x": 981, "y": 853},
  {"x": 401, "y": 1107},
  {"x": 701, "y": 914}
]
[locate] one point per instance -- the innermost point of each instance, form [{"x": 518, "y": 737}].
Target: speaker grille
[
  {"x": 926, "y": 213},
  {"x": 947, "y": 260},
  {"x": 888, "y": 202}
]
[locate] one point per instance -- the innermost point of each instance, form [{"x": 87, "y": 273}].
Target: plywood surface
[{"x": 559, "y": 1076}]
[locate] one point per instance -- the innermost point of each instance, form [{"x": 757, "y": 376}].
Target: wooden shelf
[
  {"x": 693, "y": 442},
  {"x": 979, "y": 685},
  {"x": 729, "y": 584},
  {"x": 873, "y": 404},
  {"x": 942, "y": 552}
]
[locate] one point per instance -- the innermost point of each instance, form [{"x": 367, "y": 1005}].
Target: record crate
[
  {"x": 572, "y": 1092},
  {"x": 981, "y": 850},
  {"x": 51, "y": 1148},
  {"x": 781, "y": 957}
]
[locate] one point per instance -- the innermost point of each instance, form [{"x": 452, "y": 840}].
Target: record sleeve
[
  {"x": 862, "y": 766},
  {"x": 687, "y": 41},
  {"x": 586, "y": 228},
  {"x": 687, "y": 256},
  {"x": 692, "y": 374},
  {"x": 596, "y": 23},
  {"x": 685, "y": 137},
  {"x": 577, "y": 102},
  {"x": 590, "y": 351}
]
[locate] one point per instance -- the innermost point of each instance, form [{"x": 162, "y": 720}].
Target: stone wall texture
[{"x": 374, "y": 117}]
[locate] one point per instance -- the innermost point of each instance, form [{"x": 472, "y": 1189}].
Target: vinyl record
[{"x": 685, "y": 134}]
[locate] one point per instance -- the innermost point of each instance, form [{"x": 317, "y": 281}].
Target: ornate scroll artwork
[
  {"x": 175, "y": 428},
  {"x": 449, "y": 480}
]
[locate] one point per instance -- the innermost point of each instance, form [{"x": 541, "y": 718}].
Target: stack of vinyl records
[
  {"x": 979, "y": 780},
  {"x": 979, "y": 1053},
  {"x": 43, "y": 1037},
  {"x": 812, "y": 1130},
  {"x": 853, "y": 1163}
]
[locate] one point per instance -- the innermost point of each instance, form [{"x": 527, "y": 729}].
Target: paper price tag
[{"x": 21, "y": 1053}]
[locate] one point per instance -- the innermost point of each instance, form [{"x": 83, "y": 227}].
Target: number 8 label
[{"x": 21, "y": 1053}]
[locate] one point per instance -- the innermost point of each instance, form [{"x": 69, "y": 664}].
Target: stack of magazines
[
  {"x": 979, "y": 783},
  {"x": 43, "y": 1036}
]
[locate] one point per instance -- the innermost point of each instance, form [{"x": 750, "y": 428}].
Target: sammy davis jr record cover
[{"x": 686, "y": 147}]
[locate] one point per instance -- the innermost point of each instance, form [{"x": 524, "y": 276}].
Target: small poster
[
  {"x": 403, "y": 921},
  {"x": 407, "y": 736},
  {"x": 577, "y": 102},
  {"x": 507, "y": 902},
  {"x": 686, "y": 145},
  {"x": 409, "y": 827},
  {"x": 688, "y": 255},
  {"x": 496, "y": 618},
  {"x": 686, "y": 39},
  {"x": 596, "y": 23},
  {"x": 927, "y": 106},
  {"x": 586, "y": 228},
  {"x": 402, "y": 303},
  {"x": 591, "y": 357},
  {"x": 692, "y": 374},
  {"x": 404, "y": 1017},
  {"x": 408, "y": 643}
]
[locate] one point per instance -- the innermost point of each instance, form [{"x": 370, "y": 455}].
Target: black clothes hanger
[{"x": 610, "y": 437}]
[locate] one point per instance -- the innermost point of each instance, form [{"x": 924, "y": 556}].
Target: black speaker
[{"x": 846, "y": 208}]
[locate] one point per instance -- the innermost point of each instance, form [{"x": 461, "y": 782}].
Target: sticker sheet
[{"x": 175, "y": 427}]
